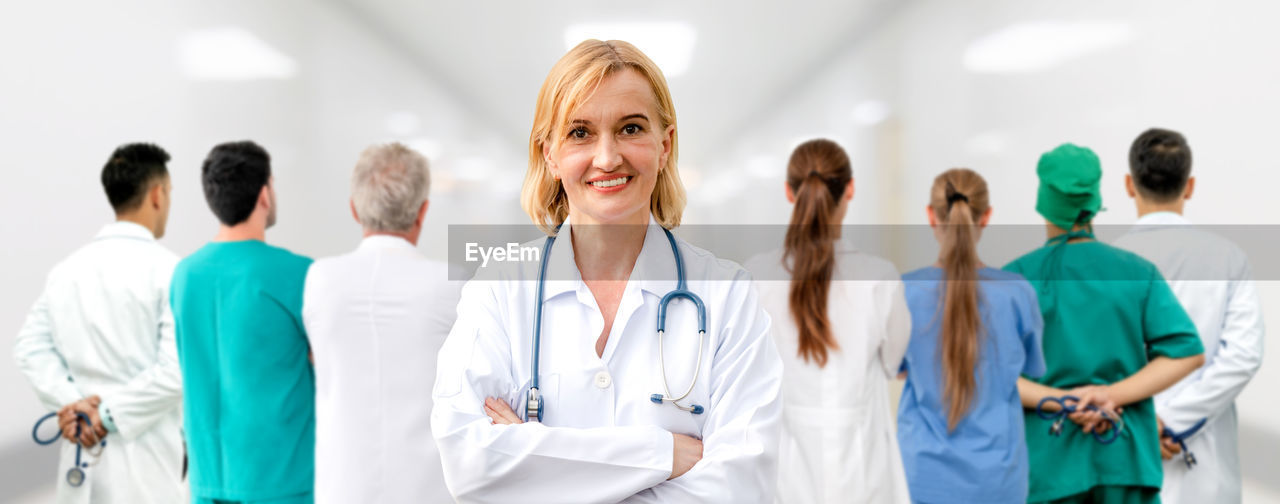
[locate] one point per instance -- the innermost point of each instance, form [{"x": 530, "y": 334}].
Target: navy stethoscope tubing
[
  {"x": 1067, "y": 406},
  {"x": 75, "y": 476},
  {"x": 533, "y": 401},
  {"x": 1181, "y": 439}
]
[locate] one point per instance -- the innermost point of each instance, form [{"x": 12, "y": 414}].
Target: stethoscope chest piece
[
  {"x": 533, "y": 405},
  {"x": 75, "y": 477}
]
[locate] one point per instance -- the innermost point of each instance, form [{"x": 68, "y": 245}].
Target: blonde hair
[{"x": 571, "y": 83}]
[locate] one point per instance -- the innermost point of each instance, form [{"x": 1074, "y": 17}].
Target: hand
[
  {"x": 68, "y": 421},
  {"x": 67, "y": 418},
  {"x": 1098, "y": 396},
  {"x": 500, "y": 412},
  {"x": 687, "y": 451},
  {"x": 1168, "y": 448}
]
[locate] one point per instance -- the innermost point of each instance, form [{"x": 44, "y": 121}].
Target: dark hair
[
  {"x": 1160, "y": 163},
  {"x": 233, "y": 176},
  {"x": 129, "y": 173},
  {"x": 958, "y": 199},
  {"x": 818, "y": 173}
]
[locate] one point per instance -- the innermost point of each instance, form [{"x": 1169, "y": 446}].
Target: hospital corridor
[{"x": 817, "y": 251}]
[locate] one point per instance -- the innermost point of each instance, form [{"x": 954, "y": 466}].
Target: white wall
[{"x": 77, "y": 81}]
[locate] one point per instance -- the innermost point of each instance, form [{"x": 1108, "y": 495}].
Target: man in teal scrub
[
  {"x": 249, "y": 406},
  {"x": 1114, "y": 335}
]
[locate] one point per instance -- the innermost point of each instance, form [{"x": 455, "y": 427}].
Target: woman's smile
[{"x": 610, "y": 183}]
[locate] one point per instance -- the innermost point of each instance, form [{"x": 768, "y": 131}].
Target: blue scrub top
[{"x": 985, "y": 458}]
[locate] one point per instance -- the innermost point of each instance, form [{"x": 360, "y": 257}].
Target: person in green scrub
[
  {"x": 1114, "y": 335},
  {"x": 249, "y": 405}
]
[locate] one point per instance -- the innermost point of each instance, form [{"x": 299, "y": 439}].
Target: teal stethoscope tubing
[{"x": 533, "y": 404}]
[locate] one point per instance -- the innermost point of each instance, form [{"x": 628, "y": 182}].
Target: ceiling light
[
  {"x": 1040, "y": 45},
  {"x": 231, "y": 53},
  {"x": 669, "y": 44}
]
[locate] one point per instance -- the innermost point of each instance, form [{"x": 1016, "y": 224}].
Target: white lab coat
[
  {"x": 103, "y": 326},
  {"x": 838, "y": 440},
  {"x": 1211, "y": 278},
  {"x": 376, "y": 319},
  {"x": 601, "y": 439}
]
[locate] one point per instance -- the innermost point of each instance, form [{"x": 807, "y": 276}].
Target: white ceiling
[{"x": 747, "y": 55}]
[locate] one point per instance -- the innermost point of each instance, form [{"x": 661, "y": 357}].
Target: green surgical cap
[{"x": 1070, "y": 178}]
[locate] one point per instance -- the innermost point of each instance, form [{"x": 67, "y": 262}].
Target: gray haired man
[{"x": 376, "y": 318}]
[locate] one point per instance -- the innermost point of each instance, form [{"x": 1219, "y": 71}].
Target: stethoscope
[
  {"x": 75, "y": 476},
  {"x": 533, "y": 404},
  {"x": 1067, "y": 406},
  {"x": 1181, "y": 438}
]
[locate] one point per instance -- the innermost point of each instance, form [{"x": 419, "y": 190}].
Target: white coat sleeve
[
  {"x": 1238, "y": 359},
  {"x": 897, "y": 329},
  {"x": 529, "y": 462},
  {"x": 744, "y": 421},
  {"x": 154, "y": 393},
  {"x": 38, "y": 358}
]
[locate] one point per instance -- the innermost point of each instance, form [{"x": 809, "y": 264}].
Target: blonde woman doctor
[{"x": 602, "y": 179}]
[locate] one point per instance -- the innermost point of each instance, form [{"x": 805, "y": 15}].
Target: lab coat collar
[
  {"x": 125, "y": 229},
  {"x": 1159, "y": 220},
  {"x": 384, "y": 242},
  {"x": 654, "y": 272}
]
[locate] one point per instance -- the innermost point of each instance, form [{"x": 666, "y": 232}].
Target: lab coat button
[{"x": 603, "y": 380}]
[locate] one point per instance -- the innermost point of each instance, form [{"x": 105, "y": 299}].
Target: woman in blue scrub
[{"x": 974, "y": 330}]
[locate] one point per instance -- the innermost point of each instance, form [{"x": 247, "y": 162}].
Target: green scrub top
[
  {"x": 249, "y": 390},
  {"x": 1107, "y": 313}
]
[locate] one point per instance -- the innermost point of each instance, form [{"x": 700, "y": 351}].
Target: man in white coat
[
  {"x": 376, "y": 318},
  {"x": 100, "y": 341},
  {"x": 1211, "y": 278}
]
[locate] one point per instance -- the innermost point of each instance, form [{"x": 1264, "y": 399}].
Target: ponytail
[
  {"x": 818, "y": 173},
  {"x": 961, "y": 200}
]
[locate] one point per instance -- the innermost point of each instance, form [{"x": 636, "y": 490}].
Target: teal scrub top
[
  {"x": 249, "y": 398},
  {"x": 1107, "y": 312}
]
